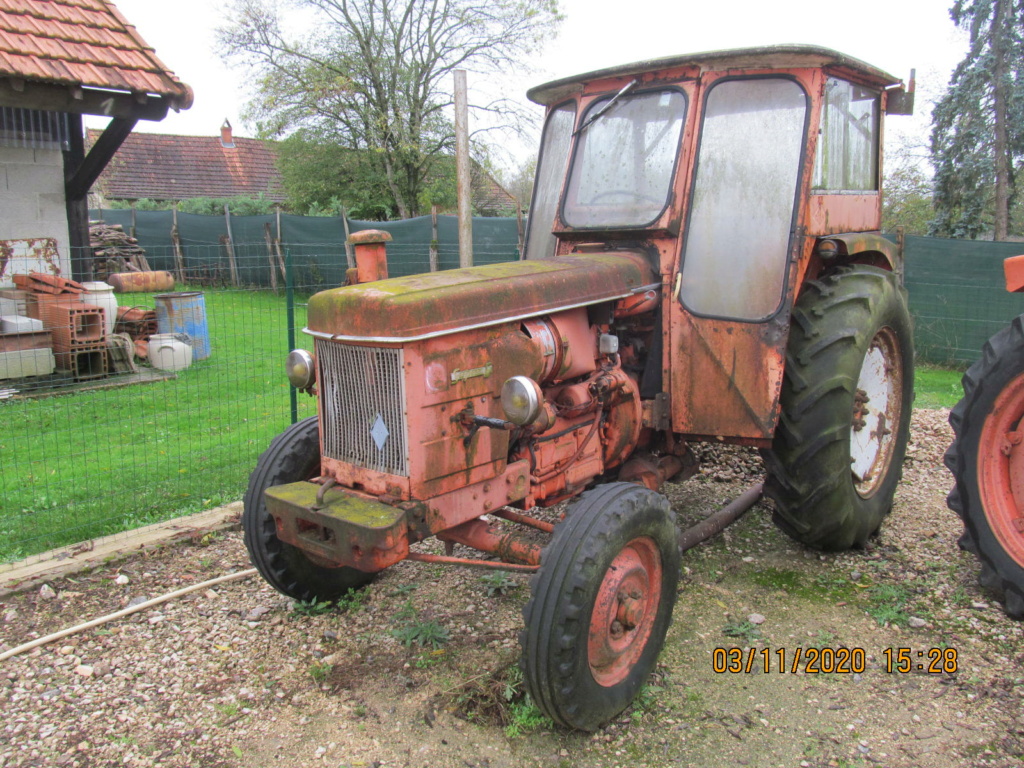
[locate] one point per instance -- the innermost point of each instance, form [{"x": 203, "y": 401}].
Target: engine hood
[{"x": 407, "y": 308}]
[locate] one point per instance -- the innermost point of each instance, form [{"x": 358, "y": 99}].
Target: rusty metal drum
[
  {"x": 141, "y": 282},
  {"x": 185, "y": 312}
]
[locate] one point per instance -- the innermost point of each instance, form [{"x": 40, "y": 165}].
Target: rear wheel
[
  {"x": 601, "y": 605},
  {"x": 987, "y": 462},
  {"x": 838, "y": 450},
  {"x": 293, "y": 455}
]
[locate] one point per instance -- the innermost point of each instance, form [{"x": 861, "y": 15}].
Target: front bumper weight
[{"x": 344, "y": 530}]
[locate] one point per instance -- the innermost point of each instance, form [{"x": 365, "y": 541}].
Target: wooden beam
[
  {"x": 77, "y": 207},
  {"x": 83, "y": 101},
  {"x": 84, "y": 176}
]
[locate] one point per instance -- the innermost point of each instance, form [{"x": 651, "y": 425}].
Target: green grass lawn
[
  {"x": 936, "y": 387},
  {"x": 82, "y": 465}
]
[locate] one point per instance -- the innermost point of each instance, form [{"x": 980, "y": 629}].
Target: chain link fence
[{"x": 103, "y": 450}]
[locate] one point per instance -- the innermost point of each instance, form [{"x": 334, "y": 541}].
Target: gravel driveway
[{"x": 237, "y": 675}]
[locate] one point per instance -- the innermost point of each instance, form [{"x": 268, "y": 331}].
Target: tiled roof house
[{"x": 59, "y": 60}]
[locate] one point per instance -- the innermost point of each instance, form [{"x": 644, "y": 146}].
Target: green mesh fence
[
  {"x": 958, "y": 297},
  {"x": 314, "y": 242},
  {"x": 85, "y": 456}
]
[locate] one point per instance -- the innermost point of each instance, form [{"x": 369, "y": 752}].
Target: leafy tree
[
  {"x": 214, "y": 206},
  {"x": 978, "y": 125},
  {"x": 323, "y": 177},
  {"x": 907, "y": 198},
  {"x": 519, "y": 182},
  {"x": 375, "y": 75}
]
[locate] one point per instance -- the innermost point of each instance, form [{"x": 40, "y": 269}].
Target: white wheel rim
[{"x": 876, "y": 412}]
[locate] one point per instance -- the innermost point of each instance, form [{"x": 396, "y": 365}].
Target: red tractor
[
  {"x": 703, "y": 262},
  {"x": 987, "y": 458}
]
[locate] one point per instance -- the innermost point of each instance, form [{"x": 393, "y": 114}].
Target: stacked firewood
[{"x": 115, "y": 250}]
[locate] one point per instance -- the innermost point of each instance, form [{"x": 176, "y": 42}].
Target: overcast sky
[{"x": 893, "y": 35}]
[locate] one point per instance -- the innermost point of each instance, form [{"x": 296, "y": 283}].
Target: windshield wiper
[{"x": 611, "y": 102}]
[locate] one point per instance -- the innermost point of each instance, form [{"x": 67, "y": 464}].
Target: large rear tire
[
  {"x": 293, "y": 455},
  {"x": 601, "y": 605},
  {"x": 838, "y": 451},
  {"x": 987, "y": 462}
]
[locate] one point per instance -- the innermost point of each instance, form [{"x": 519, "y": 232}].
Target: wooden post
[
  {"x": 462, "y": 170},
  {"x": 519, "y": 226},
  {"x": 230, "y": 244},
  {"x": 179, "y": 258},
  {"x": 349, "y": 256},
  {"x": 277, "y": 244},
  {"x": 132, "y": 233},
  {"x": 433, "y": 239},
  {"x": 270, "y": 256}
]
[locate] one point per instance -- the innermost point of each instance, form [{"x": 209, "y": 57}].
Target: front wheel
[
  {"x": 294, "y": 455},
  {"x": 837, "y": 455},
  {"x": 987, "y": 462},
  {"x": 601, "y": 605}
]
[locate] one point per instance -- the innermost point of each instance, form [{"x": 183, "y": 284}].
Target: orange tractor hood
[{"x": 408, "y": 308}]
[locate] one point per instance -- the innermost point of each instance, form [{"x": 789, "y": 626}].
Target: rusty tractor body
[
  {"x": 987, "y": 457},
  {"x": 703, "y": 262}
]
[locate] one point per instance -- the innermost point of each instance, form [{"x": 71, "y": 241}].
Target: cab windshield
[{"x": 623, "y": 167}]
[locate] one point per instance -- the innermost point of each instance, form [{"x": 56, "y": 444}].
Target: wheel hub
[
  {"x": 624, "y": 611},
  {"x": 1001, "y": 469},
  {"x": 876, "y": 408}
]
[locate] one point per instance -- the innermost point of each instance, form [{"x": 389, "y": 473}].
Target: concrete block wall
[{"x": 32, "y": 202}]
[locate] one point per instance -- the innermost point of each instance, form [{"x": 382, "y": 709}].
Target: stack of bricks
[{"x": 78, "y": 330}]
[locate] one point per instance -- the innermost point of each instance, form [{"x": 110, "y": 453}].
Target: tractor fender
[{"x": 861, "y": 248}]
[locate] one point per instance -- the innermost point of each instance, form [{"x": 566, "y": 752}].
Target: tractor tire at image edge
[{"x": 987, "y": 462}]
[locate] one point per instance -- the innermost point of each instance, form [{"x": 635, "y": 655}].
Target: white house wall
[{"x": 32, "y": 203}]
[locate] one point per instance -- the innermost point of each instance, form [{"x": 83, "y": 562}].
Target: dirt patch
[{"x": 236, "y": 676}]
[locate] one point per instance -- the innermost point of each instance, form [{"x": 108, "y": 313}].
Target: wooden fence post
[
  {"x": 349, "y": 256},
  {"x": 433, "y": 239},
  {"x": 519, "y": 227},
  {"x": 179, "y": 258},
  {"x": 230, "y": 245}
]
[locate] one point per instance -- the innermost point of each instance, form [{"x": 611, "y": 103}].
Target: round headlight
[
  {"x": 521, "y": 399},
  {"x": 301, "y": 369}
]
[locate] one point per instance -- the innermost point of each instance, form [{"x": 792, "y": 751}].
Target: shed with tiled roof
[{"x": 59, "y": 60}]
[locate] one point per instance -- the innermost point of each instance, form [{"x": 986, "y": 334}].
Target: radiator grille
[{"x": 362, "y": 404}]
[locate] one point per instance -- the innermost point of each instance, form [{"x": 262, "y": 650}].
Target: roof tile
[{"x": 80, "y": 42}]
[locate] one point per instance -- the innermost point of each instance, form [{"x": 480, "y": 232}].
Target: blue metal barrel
[{"x": 184, "y": 313}]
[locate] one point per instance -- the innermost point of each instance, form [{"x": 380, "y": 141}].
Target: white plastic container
[
  {"x": 102, "y": 295},
  {"x": 168, "y": 352}
]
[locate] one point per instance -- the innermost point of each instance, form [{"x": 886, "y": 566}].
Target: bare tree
[{"x": 375, "y": 75}]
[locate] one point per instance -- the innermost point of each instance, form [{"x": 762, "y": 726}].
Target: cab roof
[{"x": 767, "y": 57}]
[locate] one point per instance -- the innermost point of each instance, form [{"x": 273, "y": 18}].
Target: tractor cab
[{"x": 739, "y": 174}]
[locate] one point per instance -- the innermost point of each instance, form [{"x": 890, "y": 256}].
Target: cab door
[{"x": 730, "y": 302}]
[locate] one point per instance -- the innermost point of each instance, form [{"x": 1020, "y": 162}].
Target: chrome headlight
[
  {"x": 301, "y": 369},
  {"x": 521, "y": 399}
]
